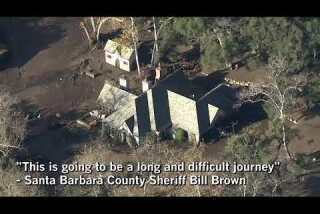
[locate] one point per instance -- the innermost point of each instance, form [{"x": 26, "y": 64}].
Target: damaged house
[
  {"x": 119, "y": 55},
  {"x": 174, "y": 102}
]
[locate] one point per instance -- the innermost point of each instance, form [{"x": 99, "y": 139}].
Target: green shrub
[{"x": 180, "y": 136}]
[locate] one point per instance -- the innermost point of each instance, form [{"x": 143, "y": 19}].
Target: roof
[
  {"x": 115, "y": 96},
  {"x": 160, "y": 107},
  {"x": 121, "y": 116},
  {"x": 179, "y": 83},
  {"x": 130, "y": 123},
  {"x": 143, "y": 116},
  {"x": 124, "y": 51},
  {"x": 221, "y": 96},
  {"x": 188, "y": 104},
  {"x": 183, "y": 112}
]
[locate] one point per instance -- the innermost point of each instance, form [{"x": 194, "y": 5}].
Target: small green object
[{"x": 180, "y": 135}]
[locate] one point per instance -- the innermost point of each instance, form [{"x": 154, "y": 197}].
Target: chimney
[
  {"x": 158, "y": 72},
  {"x": 123, "y": 82},
  {"x": 145, "y": 85}
]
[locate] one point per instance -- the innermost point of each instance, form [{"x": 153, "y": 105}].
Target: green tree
[
  {"x": 311, "y": 28},
  {"x": 312, "y": 93},
  {"x": 247, "y": 149},
  {"x": 218, "y": 38},
  {"x": 272, "y": 36}
]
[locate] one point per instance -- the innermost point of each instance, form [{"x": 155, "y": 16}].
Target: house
[
  {"x": 119, "y": 55},
  {"x": 174, "y": 102}
]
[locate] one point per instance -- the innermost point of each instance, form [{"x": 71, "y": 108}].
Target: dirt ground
[
  {"x": 45, "y": 57},
  {"x": 45, "y": 51}
]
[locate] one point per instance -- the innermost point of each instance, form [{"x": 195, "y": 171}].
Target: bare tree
[
  {"x": 93, "y": 33},
  {"x": 84, "y": 27},
  {"x": 279, "y": 92},
  {"x": 12, "y": 123},
  {"x": 135, "y": 40},
  {"x": 155, "y": 50},
  {"x": 162, "y": 23},
  {"x": 113, "y": 21}
]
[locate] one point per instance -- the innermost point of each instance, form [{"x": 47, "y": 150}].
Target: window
[
  {"x": 125, "y": 63},
  {"x": 109, "y": 56}
]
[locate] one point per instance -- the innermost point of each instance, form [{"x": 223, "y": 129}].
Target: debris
[
  {"x": 87, "y": 121},
  {"x": 56, "y": 125},
  {"x": 94, "y": 113},
  {"x": 34, "y": 115},
  {"x": 82, "y": 123},
  {"x": 91, "y": 74}
]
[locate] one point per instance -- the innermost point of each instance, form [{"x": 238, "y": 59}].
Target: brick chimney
[
  {"x": 123, "y": 82},
  {"x": 158, "y": 72},
  {"x": 145, "y": 85}
]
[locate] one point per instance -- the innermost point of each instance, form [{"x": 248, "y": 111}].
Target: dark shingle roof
[
  {"x": 222, "y": 97},
  {"x": 179, "y": 83},
  {"x": 161, "y": 107},
  {"x": 130, "y": 123},
  {"x": 142, "y": 111}
]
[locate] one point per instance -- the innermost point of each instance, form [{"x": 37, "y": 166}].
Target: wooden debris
[
  {"x": 91, "y": 74},
  {"x": 82, "y": 123},
  {"x": 87, "y": 121}
]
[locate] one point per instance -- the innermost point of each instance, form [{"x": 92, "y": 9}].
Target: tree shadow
[
  {"x": 25, "y": 37},
  {"x": 104, "y": 37},
  {"x": 145, "y": 52},
  {"x": 248, "y": 114},
  {"x": 243, "y": 117}
]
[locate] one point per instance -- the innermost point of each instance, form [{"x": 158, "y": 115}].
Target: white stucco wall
[
  {"x": 124, "y": 66},
  {"x": 112, "y": 60}
]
